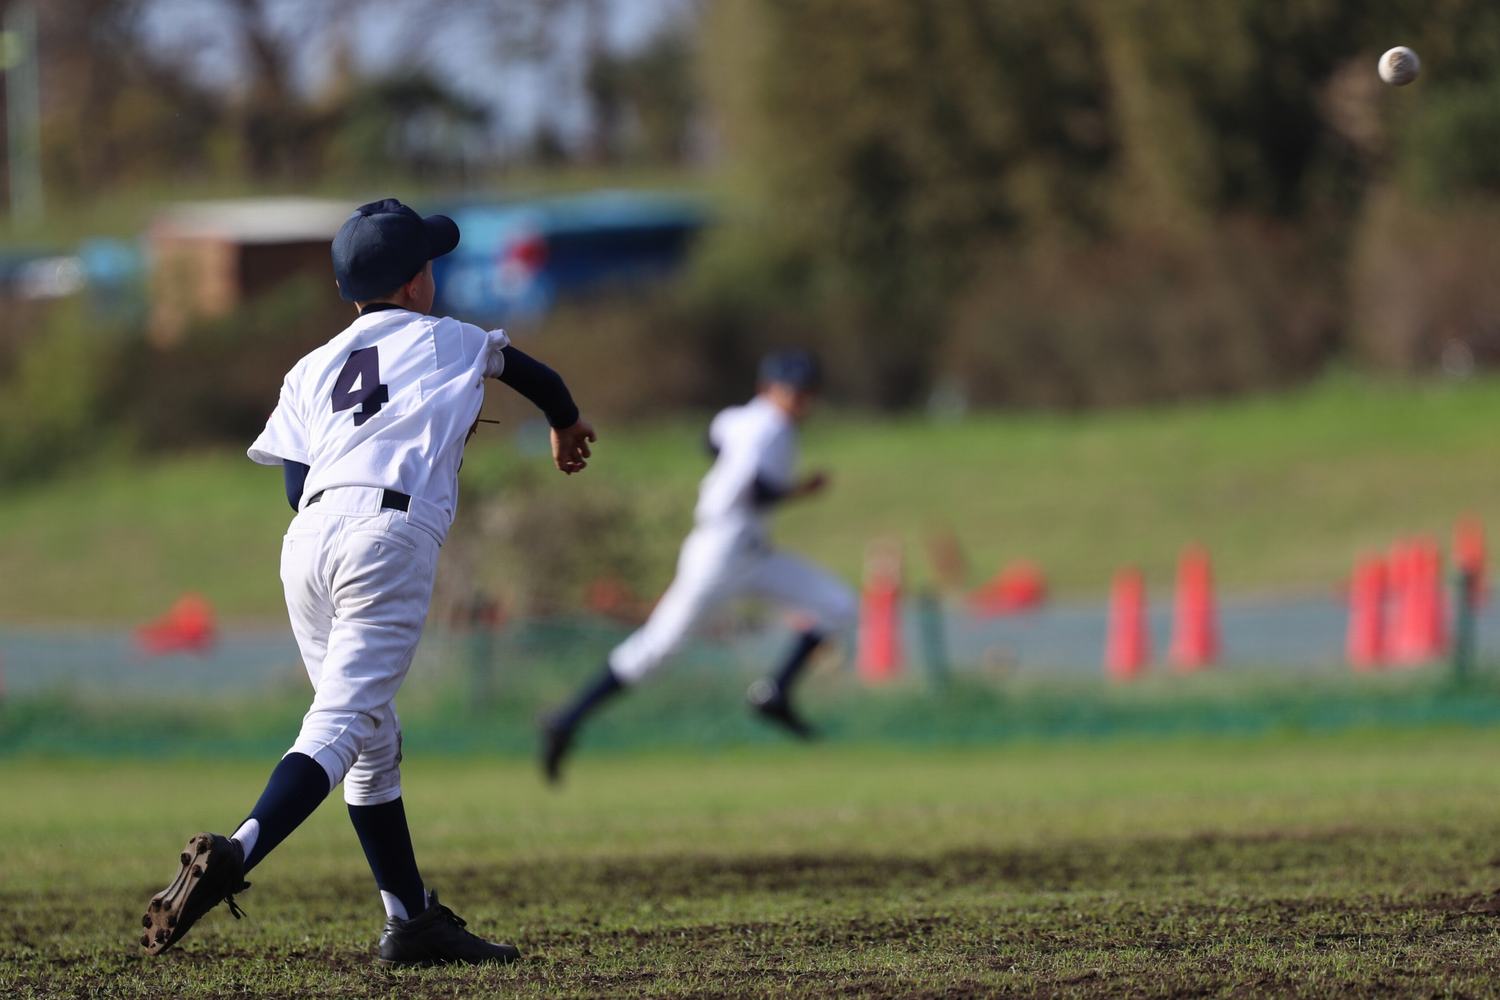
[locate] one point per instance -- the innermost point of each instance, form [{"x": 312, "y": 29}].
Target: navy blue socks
[
  {"x": 297, "y": 786},
  {"x": 384, "y": 835},
  {"x": 605, "y": 687},
  {"x": 796, "y": 659}
]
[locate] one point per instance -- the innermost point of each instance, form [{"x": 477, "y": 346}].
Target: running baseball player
[
  {"x": 728, "y": 554},
  {"x": 369, "y": 431}
]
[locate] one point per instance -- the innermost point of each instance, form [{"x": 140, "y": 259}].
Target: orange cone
[
  {"x": 189, "y": 626},
  {"x": 1399, "y": 633},
  {"x": 1434, "y": 623},
  {"x": 879, "y": 642},
  {"x": 1422, "y": 630},
  {"x": 1127, "y": 644},
  {"x": 1364, "y": 644},
  {"x": 1018, "y": 588},
  {"x": 1195, "y": 628}
]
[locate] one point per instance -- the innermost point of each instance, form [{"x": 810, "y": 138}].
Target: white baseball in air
[{"x": 1400, "y": 66}]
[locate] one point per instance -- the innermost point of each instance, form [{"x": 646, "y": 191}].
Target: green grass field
[
  {"x": 1286, "y": 490},
  {"x": 1362, "y": 864}
]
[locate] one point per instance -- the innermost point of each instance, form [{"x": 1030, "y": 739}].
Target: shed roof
[{"x": 254, "y": 220}]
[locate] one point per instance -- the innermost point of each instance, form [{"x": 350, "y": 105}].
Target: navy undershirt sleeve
[
  {"x": 295, "y": 474},
  {"x": 541, "y": 385},
  {"x": 766, "y": 494}
]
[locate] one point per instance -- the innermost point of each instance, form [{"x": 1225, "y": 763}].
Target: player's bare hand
[
  {"x": 814, "y": 483},
  {"x": 570, "y": 446}
]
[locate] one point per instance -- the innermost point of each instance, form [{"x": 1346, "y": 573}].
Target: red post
[
  {"x": 879, "y": 642},
  {"x": 1364, "y": 644},
  {"x": 1469, "y": 556}
]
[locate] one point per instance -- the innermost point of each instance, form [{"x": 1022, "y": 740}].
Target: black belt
[{"x": 389, "y": 500}]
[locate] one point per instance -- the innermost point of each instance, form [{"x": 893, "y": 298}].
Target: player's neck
[
  {"x": 779, "y": 405},
  {"x": 370, "y": 307}
]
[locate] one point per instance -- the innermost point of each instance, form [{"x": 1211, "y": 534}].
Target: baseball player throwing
[
  {"x": 728, "y": 554},
  {"x": 369, "y": 430}
]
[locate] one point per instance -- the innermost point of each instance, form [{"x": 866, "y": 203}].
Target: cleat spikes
[{"x": 211, "y": 867}]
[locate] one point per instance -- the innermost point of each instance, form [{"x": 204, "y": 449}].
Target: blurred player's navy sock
[
  {"x": 796, "y": 659},
  {"x": 384, "y": 835},
  {"x": 297, "y": 786},
  {"x": 590, "y": 698}
]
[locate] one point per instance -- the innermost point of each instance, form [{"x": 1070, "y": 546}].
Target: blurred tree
[
  {"x": 890, "y": 148},
  {"x": 662, "y": 91},
  {"x": 111, "y": 111},
  {"x": 888, "y": 139},
  {"x": 410, "y": 122},
  {"x": 644, "y": 102}
]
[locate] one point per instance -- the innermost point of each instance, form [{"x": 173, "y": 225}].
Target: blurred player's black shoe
[
  {"x": 557, "y": 739},
  {"x": 213, "y": 870},
  {"x": 770, "y": 702},
  {"x": 436, "y": 936}
]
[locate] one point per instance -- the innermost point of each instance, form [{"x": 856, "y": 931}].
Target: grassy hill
[{"x": 1284, "y": 489}]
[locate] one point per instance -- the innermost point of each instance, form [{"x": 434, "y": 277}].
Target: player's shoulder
[
  {"x": 473, "y": 340},
  {"x": 726, "y": 418},
  {"x": 754, "y": 421}
]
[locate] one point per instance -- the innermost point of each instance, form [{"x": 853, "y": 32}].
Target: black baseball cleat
[
  {"x": 768, "y": 701},
  {"x": 436, "y": 936},
  {"x": 557, "y": 740},
  {"x": 213, "y": 870}
]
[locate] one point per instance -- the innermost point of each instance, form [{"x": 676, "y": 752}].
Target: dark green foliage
[
  {"x": 1450, "y": 150},
  {"x": 220, "y": 382},
  {"x": 56, "y": 399},
  {"x": 409, "y": 121},
  {"x": 1201, "y": 171},
  {"x": 888, "y": 137}
]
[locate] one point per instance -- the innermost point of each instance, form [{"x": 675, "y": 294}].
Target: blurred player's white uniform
[
  {"x": 728, "y": 554},
  {"x": 357, "y": 571}
]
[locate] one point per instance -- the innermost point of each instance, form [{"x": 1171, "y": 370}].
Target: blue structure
[{"x": 518, "y": 258}]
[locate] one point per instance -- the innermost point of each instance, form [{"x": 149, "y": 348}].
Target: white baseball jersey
[
  {"x": 754, "y": 441},
  {"x": 387, "y": 403},
  {"x": 727, "y": 555}
]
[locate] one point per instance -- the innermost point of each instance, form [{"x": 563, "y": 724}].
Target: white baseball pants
[
  {"x": 358, "y": 580},
  {"x": 719, "y": 565}
]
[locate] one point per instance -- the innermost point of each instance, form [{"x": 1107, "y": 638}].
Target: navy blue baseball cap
[
  {"x": 383, "y": 245},
  {"x": 798, "y": 369}
]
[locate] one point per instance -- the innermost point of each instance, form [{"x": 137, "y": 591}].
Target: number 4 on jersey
[{"x": 359, "y": 383}]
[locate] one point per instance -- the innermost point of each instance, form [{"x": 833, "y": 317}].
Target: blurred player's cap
[
  {"x": 798, "y": 369},
  {"x": 383, "y": 245}
]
